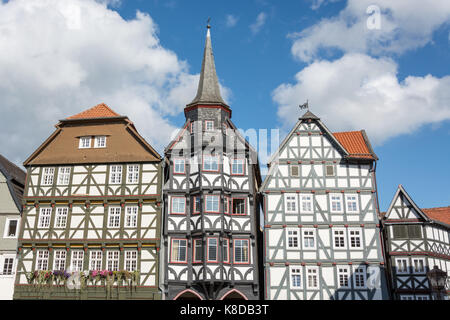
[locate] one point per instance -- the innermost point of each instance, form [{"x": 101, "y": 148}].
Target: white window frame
[
  {"x": 133, "y": 173},
  {"x": 131, "y": 214},
  {"x": 214, "y": 247},
  {"x": 114, "y": 214},
  {"x": 42, "y": 259},
  {"x": 404, "y": 264},
  {"x": 226, "y": 250},
  {"x": 214, "y": 201},
  {"x": 337, "y": 200},
  {"x": 293, "y": 234},
  {"x": 100, "y": 142},
  {"x": 85, "y": 142},
  {"x": 113, "y": 260},
  {"x": 115, "y": 174},
  {"x": 48, "y": 175},
  {"x": 306, "y": 199},
  {"x": 348, "y": 200},
  {"x": 174, "y": 206},
  {"x": 291, "y": 203},
  {"x": 342, "y": 234},
  {"x": 237, "y": 163},
  {"x": 312, "y": 272},
  {"x": 343, "y": 273},
  {"x": 179, "y": 163},
  {"x": 7, "y": 225},
  {"x": 244, "y": 248},
  {"x": 59, "y": 260},
  {"x": 77, "y": 260},
  {"x": 175, "y": 258},
  {"x": 359, "y": 273},
  {"x": 407, "y": 297},
  {"x": 305, "y": 236},
  {"x": 413, "y": 265},
  {"x": 64, "y": 175},
  {"x": 61, "y": 217},
  {"x": 96, "y": 259},
  {"x": 44, "y": 219},
  {"x": 357, "y": 237},
  {"x": 131, "y": 260},
  {"x": 207, "y": 125},
  {"x": 297, "y": 272},
  {"x": 422, "y": 297},
  {"x": 3, "y": 265},
  {"x": 207, "y": 160}
]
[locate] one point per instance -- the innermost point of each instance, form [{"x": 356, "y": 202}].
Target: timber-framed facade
[{"x": 92, "y": 204}]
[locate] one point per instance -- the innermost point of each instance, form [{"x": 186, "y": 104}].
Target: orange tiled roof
[
  {"x": 99, "y": 111},
  {"x": 439, "y": 214},
  {"x": 354, "y": 143}
]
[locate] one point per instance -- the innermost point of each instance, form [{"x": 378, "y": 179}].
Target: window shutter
[
  {"x": 415, "y": 231},
  {"x": 400, "y": 232}
]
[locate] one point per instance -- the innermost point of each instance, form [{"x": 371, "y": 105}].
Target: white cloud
[
  {"x": 231, "y": 20},
  {"x": 316, "y": 4},
  {"x": 404, "y": 25},
  {"x": 59, "y": 58},
  {"x": 360, "y": 92},
  {"x": 259, "y": 23}
]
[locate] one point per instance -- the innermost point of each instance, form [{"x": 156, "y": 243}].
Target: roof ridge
[{"x": 101, "y": 110}]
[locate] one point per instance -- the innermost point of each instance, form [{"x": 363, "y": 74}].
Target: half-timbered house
[
  {"x": 322, "y": 232},
  {"x": 12, "y": 180},
  {"x": 416, "y": 241},
  {"x": 91, "y": 205},
  {"x": 211, "y": 206}
]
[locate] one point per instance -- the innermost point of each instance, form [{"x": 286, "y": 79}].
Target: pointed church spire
[{"x": 208, "y": 91}]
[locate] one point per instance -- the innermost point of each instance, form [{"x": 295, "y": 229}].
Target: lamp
[{"x": 437, "y": 279}]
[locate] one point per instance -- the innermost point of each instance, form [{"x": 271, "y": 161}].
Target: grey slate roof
[
  {"x": 208, "y": 91},
  {"x": 16, "y": 179}
]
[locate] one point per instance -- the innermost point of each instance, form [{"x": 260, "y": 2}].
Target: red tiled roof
[
  {"x": 439, "y": 214},
  {"x": 354, "y": 143},
  {"x": 99, "y": 111}
]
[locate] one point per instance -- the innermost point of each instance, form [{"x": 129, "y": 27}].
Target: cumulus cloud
[
  {"x": 403, "y": 25},
  {"x": 231, "y": 20},
  {"x": 360, "y": 92},
  {"x": 259, "y": 23},
  {"x": 59, "y": 58}
]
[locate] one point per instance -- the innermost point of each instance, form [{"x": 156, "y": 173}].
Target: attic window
[
  {"x": 85, "y": 142},
  {"x": 100, "y": 142},
  {"x": 329, "y": 170}
]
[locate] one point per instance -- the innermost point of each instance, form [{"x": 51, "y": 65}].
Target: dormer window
[
  {"x": 100, "y": 142},
  {"x": 85, "y": 142}
]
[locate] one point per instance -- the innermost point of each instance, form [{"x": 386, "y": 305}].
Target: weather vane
[{"x": 304, "y": 106}]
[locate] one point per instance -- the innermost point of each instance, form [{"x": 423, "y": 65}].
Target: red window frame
[
  {"x": 218, "y": 203},
  {"x": 243, "y": 167},
  {"x": 203, "y": 164},
  {"x": 194, "y": 251},
  {"x": 206, "y": 125},
  {"x": 217, "y": 249},
  {"x": 228, "y": 201},
  {"x": 171, "y": 248},
  {"x": 232, "y": 206},
  {"x": 184, "y": 167},
  {"x": 228, "y": 250},
  {"x": 248, "y": 250},
  {"x": 196, "y": 209},
  {"x": 171, "y": 206}
]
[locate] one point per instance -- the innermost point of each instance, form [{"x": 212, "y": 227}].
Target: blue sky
[{"x": 270, "y": 56}]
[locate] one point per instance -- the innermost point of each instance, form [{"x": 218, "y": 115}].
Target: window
[
  {"x": 8, "y": 266},
  {"x": 237, "y": 166},
  {"x": 47, "y": 176},
  {"x": 213, "y": 244},
  {"x": 352, "y": 203},
  {"x": 115, "y": 175},
  {"x": 355, "y": 238},
  {"x": 226, "y": 250},
  {"x": 131, "y": 260},
  {"x": 179, "y": 250},
  {"x": 294, "y": 171},
  {"x": 292, "y": 238},
  {"x": 402, "y": 265},
  {"x": 210, "y": 163},
  {"x": 241, "y": 251},
  {"x": 60, "y": 260},
  {"x": 239, "y": 206},
  {"x": 306, "y": 203},
  {"x": 329, "y": 171},
  {"x": 312, "y": 277},
  {"x": 133, "y": 173},
  {"x": 11, "y": 228},
  {"x": 212, "y": 204},
  {"x": 63, "y": 176},
  {"x": 343, "y": 275},
  {"x": 360, "y": 277},
  {"x": 85, "y": 142},
  {"x": 77, "y": 260},
  {"x": 296, "y": 276},
  {"x": 114, "y": 217},
  {"x": 209, "y": 125},
  {"x": 44, "y": 217},
  {"x": 178, "y": 205},
  {"x": 131, "y": 217},
  {"x": 339, "y": 239},
  {"x": 291, "y": 203},
  {"x": 100, "y": 142},
  {"x": 415, "y": 231},
  {"x": 178, "y": 166},
  {"x": 418, "y": 265},
  {"x": 408, "y": 297},
  {"x": 198, "y": 250},
  {"x": 42, "y": 260},
  {"x": 197, "y": 204},
  {"x": 309, "y": 239},
  {"x": 191, "y": 127},
  {"x": 336, "y": 203},
  {"x": 402, "y": 231},
  {"x": 226, "y": 205},
  {"x": 96, "y": 260},
  {"x": 422, "y": 298},
  {"x": 112, "y": 260},
  {"x": 61, "y": 217}
]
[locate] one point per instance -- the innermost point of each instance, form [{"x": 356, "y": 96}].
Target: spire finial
[
  {"x": 208, "y": 25},
  {"x": 304, "y": 106}
]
